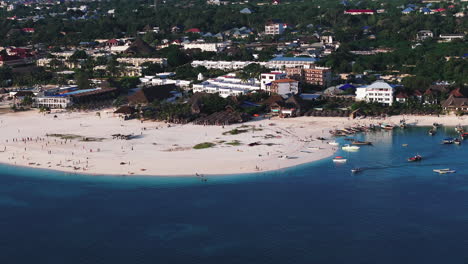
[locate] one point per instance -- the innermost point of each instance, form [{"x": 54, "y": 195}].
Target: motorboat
[
  {"x": 361, "y": 143},
  {"x": 333, "y": 143},
  {"x": 339, "y": 159},
  {"x": 444, "y": 171},
  {"x": 356, "y": 170},
  {"x": 432, "y": 132},
  {"x": 404, "y": 145},
  {"x": 348, "y": 147},
  {"x": 457, "y": 141},
  {"x": 448, "y": 141},
  {"x": 415, "y": 158}
]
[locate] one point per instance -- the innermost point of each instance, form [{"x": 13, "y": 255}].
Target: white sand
[{"x": 162, "y": 150}]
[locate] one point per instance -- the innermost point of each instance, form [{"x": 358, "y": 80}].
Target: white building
[
  {"x": 451, "y": 37},
  {"x": 280, "y": 63},
  {"x": 225, "y": 65},
  {"x": 52, "y": 102},
  {"x": 379, "y": 91},
  {"x": 137, "y": 62},
  {"x": 284, "y": 87},
  {"x": 274, "y": 28},
  {"x": 424, "y": 34},
  {"x": 215, "y": 47},
  {"x": 154, "y": 80},
  {"x": 267, "y": 78},
  {"x": 227, "y": 85}
]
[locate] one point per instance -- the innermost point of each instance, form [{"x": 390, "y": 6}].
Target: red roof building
[
  {"x": 28, "y": 30},
  {"x": 193, "y": 30}
]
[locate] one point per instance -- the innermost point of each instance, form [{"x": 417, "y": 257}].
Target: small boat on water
[
  {"x": 448, "y": 141},
  {"x": 459, "y": 129},
  {"x": 387, "y": 127},
  {"x": 444, "y": 171},
  {"x": 339, "y": 159},
  {"x": 464, "y": 135},
  {"x": 348, "y": 147},
  {"x": 432, "y": 132},
  {"x": 356, "y": 170},
  {"x": 436, "y": 125},
  {"x": 361, "y": 143},
  {"x": 415, "y": 158},
  {"x": 404, "y": 145},
  {"x": 457, "y": 141},
  {"x": 333, "y": 143}
]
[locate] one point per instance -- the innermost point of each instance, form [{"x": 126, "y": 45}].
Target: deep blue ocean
[{"x": 392, "y": 212}]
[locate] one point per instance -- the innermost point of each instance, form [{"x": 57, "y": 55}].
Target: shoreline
[{"x": 83, "y": 144}]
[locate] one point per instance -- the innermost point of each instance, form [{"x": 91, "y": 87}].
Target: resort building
[
  {"x": 379, "y": 91},
  {"x": 137, "y": 62},
  {"x": 454, "y": 104},
  {"x": 154, "y": 80},
  {"x": 225, "y": 65},
  {"x": 284, "y": 87},
  {"x": 215, "y": 47},
  {"x": 267, "y": 78},
  {"x": 64, "y": 97},
  {"x": 280, "y": 63},
  {"x": 321, "y": 76},
  {"x": 227, "y": 85}
]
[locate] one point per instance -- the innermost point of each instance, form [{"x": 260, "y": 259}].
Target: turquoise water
[{"x": 392, "y": 212}]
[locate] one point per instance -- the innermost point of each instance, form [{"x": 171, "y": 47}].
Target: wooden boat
[
  {"x": 415, "y": 158},
  {"x": 444, "y": 171},
  {"x": 448, "y": 141},
  {"x": 348, "y": 147},
  {"x": 361, "y": 143},
  {"x": 339, "y": 159},
  {"x": 387, "y": 127}
]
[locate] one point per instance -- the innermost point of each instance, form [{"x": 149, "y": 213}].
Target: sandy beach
[{"x": 84, "y": 143}]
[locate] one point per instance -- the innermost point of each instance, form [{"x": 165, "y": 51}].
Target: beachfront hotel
[{"x": 379, "y": 91}]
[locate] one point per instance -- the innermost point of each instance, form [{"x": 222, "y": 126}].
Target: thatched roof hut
[{"x": 125, "y": 110}]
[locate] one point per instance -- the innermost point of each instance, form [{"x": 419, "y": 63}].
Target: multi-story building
[
  {"x": 321, "y": 76},
  {"x": 318, "y": 75},
  {"x": 274, "y": 27},
  {"x": 267, "y": 78},
  {"x": 424, "y": 34},
  {"x": 280, "y": 63},
  {"x": 227, "y": 85},
  {"x": 225, "y": 65},
  {"x": 137, "y": 62},
  {"x": 379, "y": 91},
  {"x": 215, "y": 47},
  {"x": 284, "y": 87}
]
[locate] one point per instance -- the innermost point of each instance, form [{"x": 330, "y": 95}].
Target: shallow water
[{"x": 392, "y": 212}]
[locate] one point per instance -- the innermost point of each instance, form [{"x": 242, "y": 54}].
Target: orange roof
[{"x": 284, "y": 81}]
